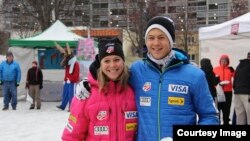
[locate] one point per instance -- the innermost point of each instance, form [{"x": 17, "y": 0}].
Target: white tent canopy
[
  {"x": 231, "y": 38},
  {"x": 56, "y": 32}
]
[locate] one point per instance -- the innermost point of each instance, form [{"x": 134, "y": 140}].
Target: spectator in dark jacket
[
  {"x": 34, "y": 83},
  {"x": 241, "y": 87},
  {"x": 212, "y": 80}
]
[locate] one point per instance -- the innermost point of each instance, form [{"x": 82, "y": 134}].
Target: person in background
[
  {"x": 10, "y": 76},
  {"x": 71, "y": 77},
  {"x": 34, "y": 83},
  {"x": 225, "y": 74},
  {"x": 168, "y": 89},
  {"x": 212, "y": 80},
  {"x": 110, "y": 111},
  {"x": 241, "y": 88}
]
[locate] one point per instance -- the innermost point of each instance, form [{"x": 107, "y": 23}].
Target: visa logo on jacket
[
  {"x": 130, "y": 114},
  {"x": 178, "y": 88}
]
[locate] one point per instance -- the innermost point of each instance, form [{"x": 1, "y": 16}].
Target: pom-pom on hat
[
  {"x": 110, "y": 46},
  {"x": 165, "y": 24}
]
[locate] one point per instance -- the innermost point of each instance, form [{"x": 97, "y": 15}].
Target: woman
[
  {"x": 226, "y": 75},
  {"x": 109, "y": 114},
  {"x": 212, "y": 80}
]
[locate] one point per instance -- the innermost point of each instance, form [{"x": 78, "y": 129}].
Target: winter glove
[
  {"x": 17, "y": 84},
  {"x": 224, "y": 82},
  {"x": 27, "y": 86},
  {"x": 1, "y": 83},
  {"x": 41, "y": 86},
  {"x": 83, "y": 89}
]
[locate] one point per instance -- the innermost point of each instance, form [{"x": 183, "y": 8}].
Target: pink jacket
[{"x": 110, "y": 116}]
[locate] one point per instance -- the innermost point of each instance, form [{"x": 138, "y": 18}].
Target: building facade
[{"x": 188, "y": 15}]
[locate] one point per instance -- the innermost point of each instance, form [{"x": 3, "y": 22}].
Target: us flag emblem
[
  {"x": 147, "y": 86},
  {"x": 102, "y": 115},
  {"x": 110, "y": 49}
]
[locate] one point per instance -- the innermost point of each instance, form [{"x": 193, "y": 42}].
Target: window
[
  {"x": 15, "y": 9},
  {"x": 78, "y": 13}
]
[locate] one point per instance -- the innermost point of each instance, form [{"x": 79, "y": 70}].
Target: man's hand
[{"x": 83, "y": 89}]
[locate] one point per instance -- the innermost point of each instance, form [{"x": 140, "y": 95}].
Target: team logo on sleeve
[
  {"x": 69, "y": 127},
  {"x": 146, "y": 86},
  {"x": 72, "y": 118},
  {"x": 183, "y": 89},
  {"x": 102, "y": 115}
]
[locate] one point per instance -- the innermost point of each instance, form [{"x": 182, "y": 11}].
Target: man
[
  {"x": 241, "y": 87},
  {"x": 10, "y": 76},
  {"x": 34, "y": 83},
  {"x": 169, "y": 90}
]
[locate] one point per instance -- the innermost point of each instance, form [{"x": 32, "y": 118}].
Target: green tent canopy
[{"x": 57, "y": 32}]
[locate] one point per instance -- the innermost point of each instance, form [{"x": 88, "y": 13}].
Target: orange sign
[{"x": 99, "y": 32}]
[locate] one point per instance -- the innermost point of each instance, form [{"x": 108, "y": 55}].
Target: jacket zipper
[
  {"x": 158, "y": 121},
  {"x": 116, "y": 112}
]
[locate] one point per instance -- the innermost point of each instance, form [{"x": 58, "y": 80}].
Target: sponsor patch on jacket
[
  {"x": 176, "y": 100},
  {"x": 69, "y": 127},
  {"x": 131, "y": 126},
  {"x": 146, "y": 87},
  {"x": 145, "y": 101},
  {"x": 72, "y": 118},
  {"x": 102, "y": 115},
  {"x": 130, "y": 114},
  {"x": 101, "y": 130},
  {"x": 183, "y": 89}
]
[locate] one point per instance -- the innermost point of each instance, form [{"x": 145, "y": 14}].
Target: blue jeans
[
  {"x": 68, "y": 93},
  {"x": 9, "y": 93}
]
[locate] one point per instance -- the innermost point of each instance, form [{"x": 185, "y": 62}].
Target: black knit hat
[
  {"x": 165, "y": 24},
  {"x": 110, "y": 46},
  {"x": 9, "y": 53}
]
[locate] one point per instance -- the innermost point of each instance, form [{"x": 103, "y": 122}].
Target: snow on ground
[{"x": 46, "y": 124}]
